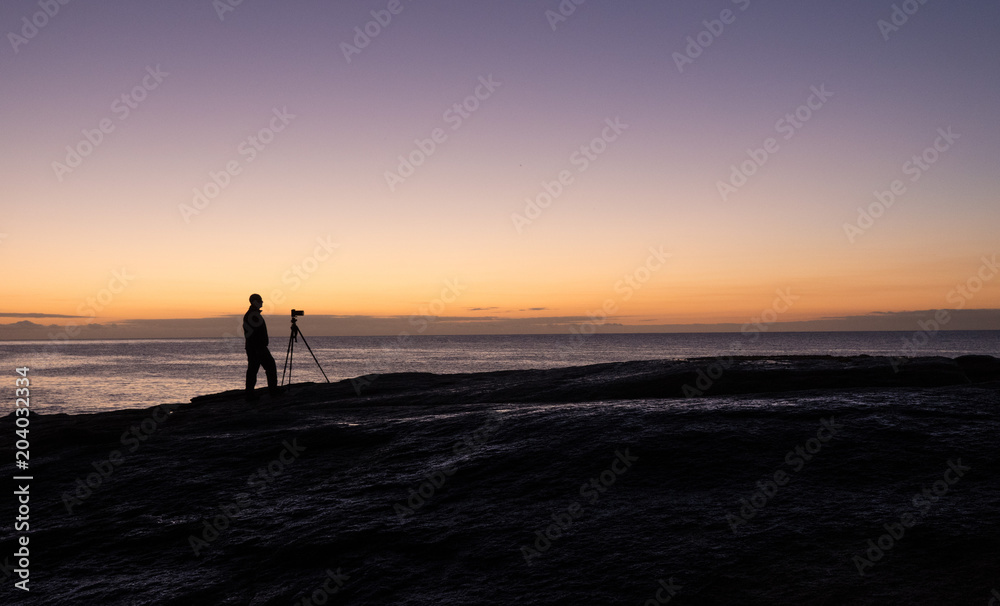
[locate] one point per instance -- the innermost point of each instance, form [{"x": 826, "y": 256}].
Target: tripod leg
[
  {"x": 288, "y": 356},
  {"x": 314, "y": 357}
]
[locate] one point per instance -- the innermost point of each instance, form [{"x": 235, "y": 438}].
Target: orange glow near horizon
[{"x": 681, "y": 291}]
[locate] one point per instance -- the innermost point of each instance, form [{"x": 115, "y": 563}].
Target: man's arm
[{"x": 253, "y": 328}]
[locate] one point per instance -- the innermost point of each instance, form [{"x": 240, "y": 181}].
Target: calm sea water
[{"x": 86, "y": 376}]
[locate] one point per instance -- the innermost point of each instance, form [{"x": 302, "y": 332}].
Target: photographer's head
[{"x": 256, "y": 301}]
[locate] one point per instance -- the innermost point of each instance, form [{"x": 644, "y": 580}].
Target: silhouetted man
[{"x": 255, "y": 332}]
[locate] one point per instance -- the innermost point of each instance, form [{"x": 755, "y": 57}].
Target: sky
[{"x": 497, "y": 166}]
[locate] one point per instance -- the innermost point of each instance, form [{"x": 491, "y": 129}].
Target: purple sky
[{"x": 663, "y": 180}]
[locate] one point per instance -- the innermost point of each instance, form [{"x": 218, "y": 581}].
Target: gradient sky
[{"x": 323, "y": 177}]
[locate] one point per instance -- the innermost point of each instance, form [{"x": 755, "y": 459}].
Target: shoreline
[{"x": 644, "y": 379}]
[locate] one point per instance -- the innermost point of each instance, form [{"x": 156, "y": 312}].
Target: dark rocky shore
[{"x": 788, "y": 480}]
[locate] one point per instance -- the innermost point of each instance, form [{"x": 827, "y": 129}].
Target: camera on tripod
[{"x": 292, "y": 340}]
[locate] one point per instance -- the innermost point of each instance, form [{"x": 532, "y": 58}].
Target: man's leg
[
  {"x": 253, "y": 365},
  {"x": 270, "y": 369}
]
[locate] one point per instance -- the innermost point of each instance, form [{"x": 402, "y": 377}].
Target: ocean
[{"x": 89, "y": 376}]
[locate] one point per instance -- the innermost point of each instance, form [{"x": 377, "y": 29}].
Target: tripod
[{"x": 291, "y": 349}]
